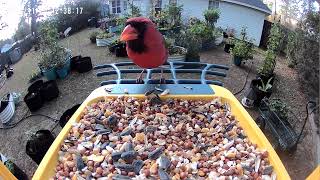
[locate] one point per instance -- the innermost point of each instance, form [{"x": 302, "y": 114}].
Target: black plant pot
[
  {"x": 84, "y": 65},
  {"x": 49, "y": 90},
  {"x": 227, "y": 47},
  {"x": 36, "y": 86},
  {"x": 258, "y": 94},
  {"x": 3, "y": 105},
  {"x": 67, "y": 115},
  {"x": 121, "y": 51},
  {"x": 73, "y": 61},
  {"x": 33, "y": 101},
  {"x": 39, "y": 144},
  {"x": 18, "y": 173},
  {"x": 93, "y": 40}
]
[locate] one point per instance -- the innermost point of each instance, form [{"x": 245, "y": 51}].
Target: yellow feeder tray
[
  {"x": 47, "y": 166},
  {"x": 315, "y": 175},
  {"x": 5, "y": 174}
]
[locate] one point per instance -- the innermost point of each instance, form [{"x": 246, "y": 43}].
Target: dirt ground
[{"x": 76, "y": 87}]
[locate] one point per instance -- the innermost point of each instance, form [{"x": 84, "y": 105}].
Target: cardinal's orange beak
[{"x": 129, "y": 33}]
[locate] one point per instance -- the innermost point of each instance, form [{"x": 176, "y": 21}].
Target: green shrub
[
  {"x": 280, "y": 108},
  {"x": 48, "y": 34},
  {"x": 211, "y": 16},
  {"x": 269, "y": 63},
  {"x": 243, "y": 47}
]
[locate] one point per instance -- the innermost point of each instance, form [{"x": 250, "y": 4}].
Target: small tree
[
  {"x": 174, "y": 14},
  {"x": 267, "y": 68},
  {"x": 211, "y": 16}
]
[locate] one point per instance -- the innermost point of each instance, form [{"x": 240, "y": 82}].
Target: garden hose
[
  {"x": 10, "y": 126},
  {"x": 246, "y": 81}
]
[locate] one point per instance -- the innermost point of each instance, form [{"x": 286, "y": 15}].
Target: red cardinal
[{"x": 145, "y": 44}]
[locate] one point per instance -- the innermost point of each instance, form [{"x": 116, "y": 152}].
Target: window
[
  {"x": 173, "y": 2},
  {"x": 125, "y": 5},
  {"x": 158, "y": 5},
  {"x": 213, "y": 4},
  {"x": 116, "y": 6}
]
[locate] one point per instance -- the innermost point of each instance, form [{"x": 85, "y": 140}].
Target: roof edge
[{"x": 248, "y": 5}]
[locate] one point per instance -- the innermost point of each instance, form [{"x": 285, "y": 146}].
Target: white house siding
[
  {"x": 193, "y": 8},
  {"x": 236, "y": 16},
  {"x": 232, "y": 15}
]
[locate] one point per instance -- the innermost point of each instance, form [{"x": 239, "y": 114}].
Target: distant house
[{"x": 235, "y": 14}]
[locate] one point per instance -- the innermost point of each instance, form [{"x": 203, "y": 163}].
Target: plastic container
[
  {"x": 67, "y": 115},
  {"x": 49, "y": 90},
  {"x": 37, "y": 147},
  {"x": 33, "y": 101},
  {"x": 237, "y": 60},
  {"x": 47, "y": 167},
  {"x": 35, "y": 86},
  {"x": 84, "y": 65},
  {"x": 50, "y": 74},
  {"x": 7, "y": 109},
  {"x": 64, "y": 71}
]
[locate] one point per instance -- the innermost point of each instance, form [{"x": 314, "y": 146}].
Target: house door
[{"x": 265, "y": 34}]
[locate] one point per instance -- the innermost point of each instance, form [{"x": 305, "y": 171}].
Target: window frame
[
  {"x": 214, "y": 4},
  {"x": 116, "y": 6}
]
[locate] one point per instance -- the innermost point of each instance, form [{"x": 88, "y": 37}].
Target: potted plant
[
  {"x": 203, "y": 33},
  {"x": 119, "y": 48},
  {"x": 104, "y": 39},
  {"x": 241, "y": 51},
  {"x": 47, "y": 64},
  {"x": 93, "y": 36},
  {"x": 261, "y": 89},
  {"x": 279, "y": 107},
  {"x": 62, "y": 61},
  {"x": 211, "y": 16},
  {"x": 177, "y": 53},
  {"x": 265, "y": 71},
  {"x": 7, "y": 108},
  {"x": 229, "y": 41}
]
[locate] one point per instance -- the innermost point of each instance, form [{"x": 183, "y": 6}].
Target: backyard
[{"x": 76, "y": 87}]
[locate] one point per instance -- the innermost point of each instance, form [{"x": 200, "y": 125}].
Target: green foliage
[
  {"x": 168, "y": 42},
  {"x": 174, "y": 12},
  {"x": 279, "y": 107},
  {"x": 201, "y": 31},
  {"x": 177, "y": 50},
  {"x": 265, "y": 87},
  {"x": 48, "y": 34},
  {"x": 274, "y": 38},
  {"x": 169, "y": 17},
  {"x": 211, "y": 16},
  {"x": 243, "y": 47},
  {"x": 76, "y": 21},
  {"x": 104, "y": 35},
  {"x": 94, "y": 35},
  {"x": 134, "y": 11},
  {"x": 291, "y": 46},
  {"x": 52, "y": 57},
  {"x": 269, "y": 62}
]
